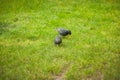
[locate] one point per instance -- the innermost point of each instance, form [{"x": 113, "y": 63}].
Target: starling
[
  {"x": 57, "y": 40},
  {"x": 63, "y": 32}
]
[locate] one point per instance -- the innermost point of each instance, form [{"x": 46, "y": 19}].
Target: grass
[{"x": 27, "y": 31}]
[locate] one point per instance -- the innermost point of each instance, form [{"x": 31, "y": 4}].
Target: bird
[
  {"x": 58, "y": 40},
  {"x": 64, "y": 32}
]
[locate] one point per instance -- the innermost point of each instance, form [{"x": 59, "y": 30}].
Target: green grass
[{"x": 27, "y": 31}]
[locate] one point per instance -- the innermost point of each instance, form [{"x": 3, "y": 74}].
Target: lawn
[{"x": 28, "y": 29}]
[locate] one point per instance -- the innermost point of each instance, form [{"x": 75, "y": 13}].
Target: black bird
[
  {"x": 63, "y": 32},
  {"x": 57, "y": 40}
]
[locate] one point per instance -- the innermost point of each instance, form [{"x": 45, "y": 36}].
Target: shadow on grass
[
  {"x": 4, "y": 27},
  {"x": 33, "y": 38}
]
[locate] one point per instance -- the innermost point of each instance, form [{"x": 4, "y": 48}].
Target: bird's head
[{"x": 69, "y": 32}]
